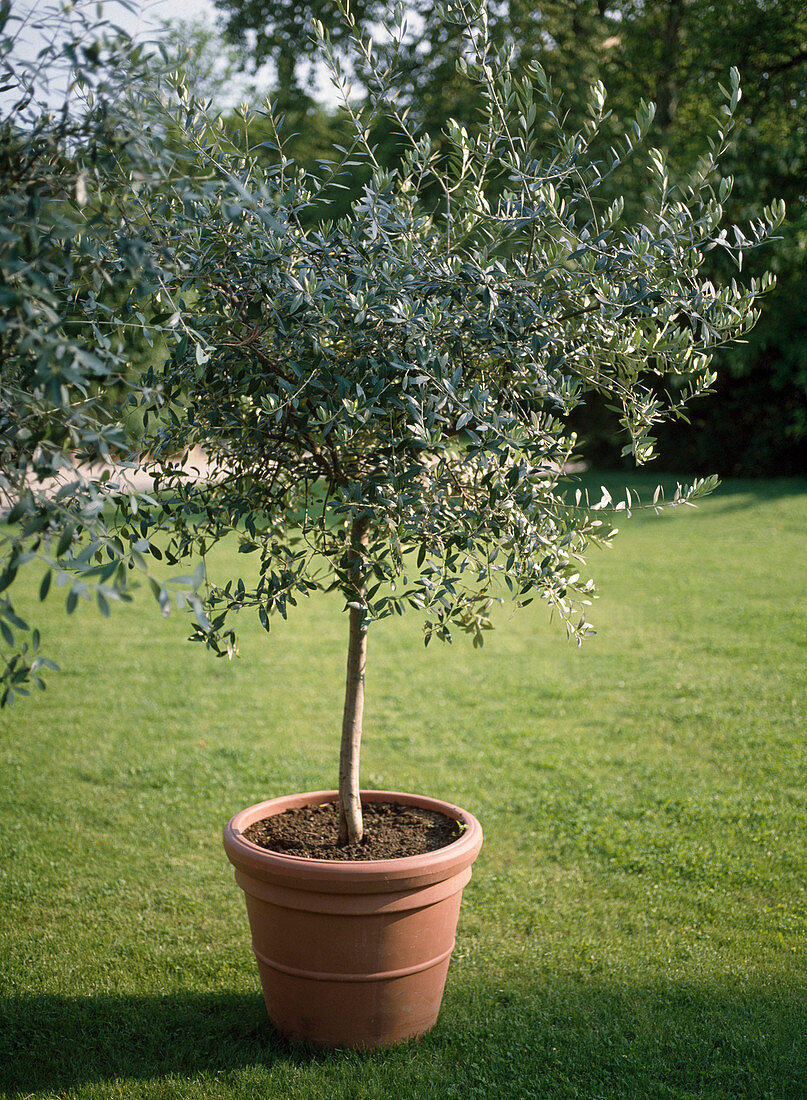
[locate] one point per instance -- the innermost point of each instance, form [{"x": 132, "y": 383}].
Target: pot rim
[{"x": 373, "y": 874}]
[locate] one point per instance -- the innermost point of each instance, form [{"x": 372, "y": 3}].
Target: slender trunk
[{"x": 350, "y": 820}]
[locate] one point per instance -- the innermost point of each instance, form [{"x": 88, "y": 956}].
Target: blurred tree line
[{"x": 673, "y": 52}]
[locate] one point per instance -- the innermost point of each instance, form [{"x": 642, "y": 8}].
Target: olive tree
[{"x": 383, "y": 398}]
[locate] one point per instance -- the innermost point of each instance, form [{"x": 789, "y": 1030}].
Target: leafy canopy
[
  {"x": 407, "y": 371},
  {"x": 673, "y": 53}
]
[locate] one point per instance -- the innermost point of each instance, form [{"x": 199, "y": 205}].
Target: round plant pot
[{"x": 352, "y": 952}]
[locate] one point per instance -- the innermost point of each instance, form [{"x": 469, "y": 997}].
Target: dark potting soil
[{"x": 391, "y": 831}]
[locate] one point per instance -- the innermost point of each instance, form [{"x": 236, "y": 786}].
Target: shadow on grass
[
  {"x": 565, "y": 1038},
  {"x": 731, "y": 495},
  {"x": 592, "y": 1039},
  {"x": 54, "y": 1043},
  {"x": 763, "y": 488},
  {"x": 644, "y": 482}
]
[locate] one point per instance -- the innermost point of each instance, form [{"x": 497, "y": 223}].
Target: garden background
[{"x": 636, "y": 922}]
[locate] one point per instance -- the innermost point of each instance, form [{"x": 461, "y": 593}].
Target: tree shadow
[
  {"x": 546, "y": 1037},
  {"x": 597, "y": 1038},
  {"x": 735, "y": 495},
  {"x": 731, "y": 495},
  {"x": 763, "y": 488},
  {"x": 54, "y": 1043}
]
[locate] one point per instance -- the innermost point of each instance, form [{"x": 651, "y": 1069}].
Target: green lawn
[{"x": 637, "y": 922}]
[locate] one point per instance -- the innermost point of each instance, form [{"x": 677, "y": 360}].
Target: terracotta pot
[{"x": 352, "y": 953}]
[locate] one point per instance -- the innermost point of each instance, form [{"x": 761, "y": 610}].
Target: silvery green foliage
[
  {"x": 76, "y": 272},
  {"x": 413, "y": 365}
]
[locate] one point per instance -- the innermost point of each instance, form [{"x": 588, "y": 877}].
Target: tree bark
[{"x": 350, "y": 819}]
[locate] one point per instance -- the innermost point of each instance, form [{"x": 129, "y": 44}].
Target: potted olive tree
[{"x": 383, "y": 402}]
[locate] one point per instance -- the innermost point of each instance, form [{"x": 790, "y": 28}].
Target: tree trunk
[{"x": 350, "y": 820}]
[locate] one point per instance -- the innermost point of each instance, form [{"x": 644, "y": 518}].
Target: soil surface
[{"x": 391, "y": 831}]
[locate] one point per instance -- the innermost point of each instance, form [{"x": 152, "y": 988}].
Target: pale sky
[
  {"x": 140, "y": 23},
  {"x": 152, "y": 11},
  {"x": 149, "y": 12}
]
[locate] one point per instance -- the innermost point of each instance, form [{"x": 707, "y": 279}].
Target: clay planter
[{"x": 352, "y": 953}]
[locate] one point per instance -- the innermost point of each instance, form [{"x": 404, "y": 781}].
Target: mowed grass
[{"x": 636, "y": 924}]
